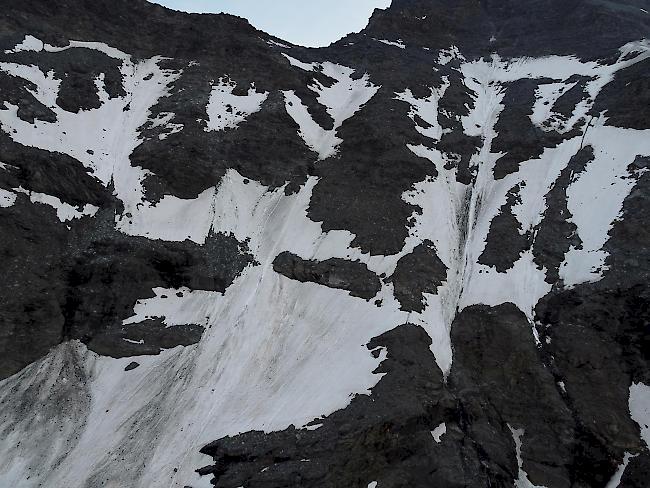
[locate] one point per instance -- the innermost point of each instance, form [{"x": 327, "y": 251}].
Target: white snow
[
  {"x": 457, "y": 217},
  {"x": 173, "y": 218},
  {"x": 426, "y": 109},
  {"x": 595, "y": 198},
  {"x": 397, "y": 43},
  {"x": 30, "y": 43},
  {"x": 341, "y": 100},
  {"x": 64, "y": 211},
  {"x": 438, "y": 432},
  {"x": 274, "y": 352},
  {"x": 273, "y": 43},
  {"x": 227, "y": 111},
  {"x": 522, "y": 481},
  {"x": 640, "y": 409},
  {"x": 322, "y": 141},
  {"x": 7, "y": 198},
  {"x": 640, "y": 412},
  {"x": 545, "y": 96}
]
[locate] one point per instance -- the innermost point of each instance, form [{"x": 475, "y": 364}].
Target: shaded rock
[
  {"x": 131, "y": 366},
  {"x": 352, "y": 276},
  {"x": 418, "y": 273}
]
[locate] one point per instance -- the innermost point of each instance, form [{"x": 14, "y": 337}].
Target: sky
[{"x": 312, "y": 23}]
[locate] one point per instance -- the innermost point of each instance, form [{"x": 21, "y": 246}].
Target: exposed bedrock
[
  {"x": 353, "y": 276},
  {"x": 81, "y": 284},
  {"x": 418, "y": 273}
]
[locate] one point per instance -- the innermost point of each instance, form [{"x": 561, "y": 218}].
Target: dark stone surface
[
  {"x": 505, "y": 240},
  {"x": 418, "y": 273},
  {"x": 566, "y": 103},
  {"x": 360, "y": 189},
  {"x": 587, "y": 28},
  {"x": 622, "y": 98},
  {"x": 556, "y": 233},
  {"x": 637, "y": 473},
  {"x": 352, "y": 276}
]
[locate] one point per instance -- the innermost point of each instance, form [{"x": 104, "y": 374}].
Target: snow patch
[
  {"x": 426, "y": 109},
  {"x": 176, "y": 306},
  {"x": 616, "y": 479},
  {"x": 438, "y": 432},
  {"x": 226, "y": 110},
  {"x": 445, "y": 56},
  {"x": 7, "y": 198},
  {"x": 398, "y": 43},
  {"x": 64, "y": 211},
  {"x": 30, "y": 43}
]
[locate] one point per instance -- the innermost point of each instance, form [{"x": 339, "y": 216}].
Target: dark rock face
[
  {"x": 549, "y": 251},
  {"x": 622, "y": 111},
  {"x": 352, "y": 276},
  {"x": 479, "y": 172},
  {"x": 83, "y": 283},
  {"x": 505, "y": 228},
  {"x": 417, "y": 273},
  {"x": 528, "y": 28}
]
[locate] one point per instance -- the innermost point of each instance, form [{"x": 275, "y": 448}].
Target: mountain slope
[{"x": 414, "y": 258}]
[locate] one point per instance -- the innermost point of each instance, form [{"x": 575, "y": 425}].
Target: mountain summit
[{"x": 416, "y": 258}]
